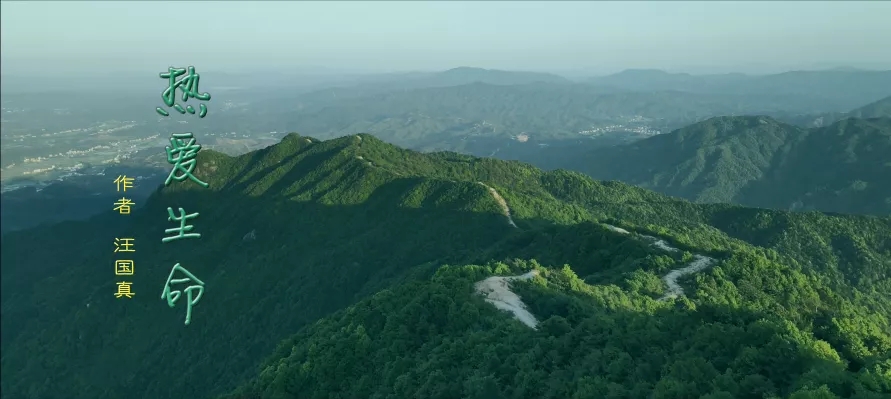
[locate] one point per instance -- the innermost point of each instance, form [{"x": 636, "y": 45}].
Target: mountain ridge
[{"x": 750, "y": 159}]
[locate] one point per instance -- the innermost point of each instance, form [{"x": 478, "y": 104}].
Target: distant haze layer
[{"x": 66, "y": 38}]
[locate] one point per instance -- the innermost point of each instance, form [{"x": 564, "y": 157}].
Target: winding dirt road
[{"x": 497, "y": 290}]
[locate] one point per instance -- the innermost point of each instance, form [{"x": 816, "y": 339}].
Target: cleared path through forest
[
  {"x": 501, "y": 202},
  {"x": 699, "y": 263},
  {"x": 497, "y": 290}
]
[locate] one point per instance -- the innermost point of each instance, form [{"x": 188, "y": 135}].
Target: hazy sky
[{"x": 72, "y": 36}]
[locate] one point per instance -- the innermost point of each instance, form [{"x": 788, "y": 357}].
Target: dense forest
[{"x": 347, "y": 268}]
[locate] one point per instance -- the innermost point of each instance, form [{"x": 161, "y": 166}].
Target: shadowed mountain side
[
  {"x": 844, "y": 167},
  {"x": 75, "y": 198},
  {"x": 307, "y": 260}
]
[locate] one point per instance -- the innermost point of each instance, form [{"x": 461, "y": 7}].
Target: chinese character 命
[{"x": 173, "y": 295}]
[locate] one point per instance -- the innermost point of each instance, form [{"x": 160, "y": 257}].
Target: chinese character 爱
[{"x": 181, "y": 154}]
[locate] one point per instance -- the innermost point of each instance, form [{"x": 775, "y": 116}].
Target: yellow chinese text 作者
[
  {"x": 123, "y": 182},
  {"x": 124, "y": 244},
  {"x": 123, "y": 206},
  {"x": 123, "y": 267},
  {"x": 124, "y": 290}
]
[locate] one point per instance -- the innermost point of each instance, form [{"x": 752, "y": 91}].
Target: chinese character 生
[
  {"x": 123, "y": 206},
  {"x": 123, "y": 268},
  {"x": 188, "y": 85},
  {"x": 183, "y": 227},
  {"x": 173, "y": 295},
  {"x": 181, "y": 154},
  {"x": 124, "y": 244},
  {"x": 123, "y": 182},
  {"x": 124, "y": 290}
]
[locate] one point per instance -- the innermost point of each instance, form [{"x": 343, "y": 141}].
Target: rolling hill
[
  {"x": 756, "y": 161},
  {"x": 352, "y": 267}
]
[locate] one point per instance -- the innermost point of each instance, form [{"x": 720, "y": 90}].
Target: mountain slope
[
  {"x": 758, "y": 161},
  {"x": 337, "y": 241},
  {"x": 878, "y": 109}
]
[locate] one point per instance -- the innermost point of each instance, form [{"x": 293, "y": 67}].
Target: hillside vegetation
[
  {"x": 756, "y": 161},
  {"x": 346, "y": 268}
]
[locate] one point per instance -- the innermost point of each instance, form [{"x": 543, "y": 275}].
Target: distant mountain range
[
  {"x": 757, "y": 161},
  {"x": 441, "y": 111},
  {"x": 849, "y": 87}
]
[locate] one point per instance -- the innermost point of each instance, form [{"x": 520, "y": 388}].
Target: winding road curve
[{"x": 497, "y": 290}]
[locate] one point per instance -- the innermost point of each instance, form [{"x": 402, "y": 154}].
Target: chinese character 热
[
  {"x": 183, "y": 227},
  {"x": 173, "y": 295},
  {"x": 124, "y": 290},
  {"x": 123, "y": 206},
  {"x": 123, "y": 268},
  {"x": 124, "y": 182},
  {"x": 188, "y": 85},
  {"x": 181, "y": 154},
  {"x": 124, "y": 244}
]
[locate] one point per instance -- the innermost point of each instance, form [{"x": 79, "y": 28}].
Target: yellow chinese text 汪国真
[
  {"x": 124, "y": 244},
  {"x": 124, "y": 290},
  {"x": 123, "y": 267}
]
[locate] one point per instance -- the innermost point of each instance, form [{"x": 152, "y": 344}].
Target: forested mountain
[
  {"x": 878, "y": 109},
  {"x": 755, "y": 161},
  {"x": 335, "y": 253}
]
